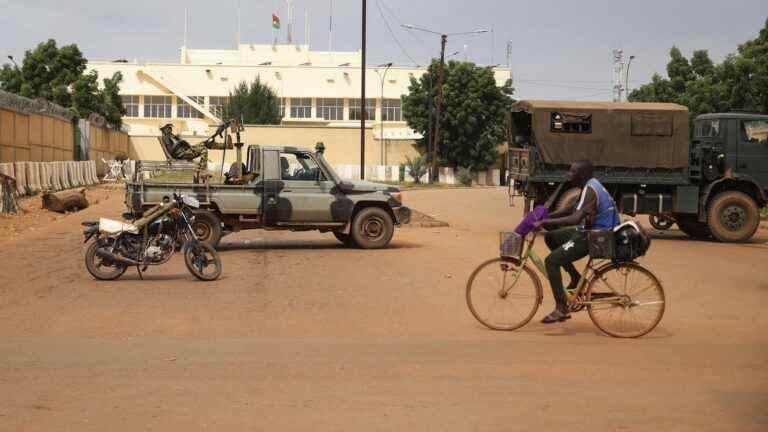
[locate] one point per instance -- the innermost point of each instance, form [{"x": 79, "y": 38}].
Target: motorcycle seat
[{"x": 110, "y": 226}]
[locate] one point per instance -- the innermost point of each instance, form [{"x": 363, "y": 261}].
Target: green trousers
[{"x": 567, "y": 245}]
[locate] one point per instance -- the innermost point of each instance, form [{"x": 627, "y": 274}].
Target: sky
[{"x": 559, "y": 50}]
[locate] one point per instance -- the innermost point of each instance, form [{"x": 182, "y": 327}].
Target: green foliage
[
  {"x": 112, "y": 105},
  {"x": 472, "y": 118},
  {"x": 58, "y": 75},
  {"x": 257, "y": 103},
  {"x": 417, "y": 167},
  {"x": 740, "y": 82},
  {"x": 464, "y": 176}
]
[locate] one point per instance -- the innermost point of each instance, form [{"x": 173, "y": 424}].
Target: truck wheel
[
  {"x": 346, "y": 239},
  {"x": 207, "y": 227},
  {"x": 690, "y": 225},
  {"x": 372, "y": 228},
  {"x": 568, "y": 199},
  {"x": 733, "y": 216}
]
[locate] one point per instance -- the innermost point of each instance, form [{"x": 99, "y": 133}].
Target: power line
[
  {"x": 553, "y": 84},
  {"x": 392, "y": 33},
  {"x": 426, "y": 47}
]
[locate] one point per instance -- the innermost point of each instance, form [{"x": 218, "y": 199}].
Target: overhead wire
[{"x": 392, "y": 33}]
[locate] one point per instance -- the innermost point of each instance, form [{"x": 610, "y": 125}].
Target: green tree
[
  {"x": 111, "y": 104},
  {"x": 58, "y": 75},
  {"x": 257, "y": 103},
  {"x": 739, "y": 82},
  {"x": 472, "y": 118}
]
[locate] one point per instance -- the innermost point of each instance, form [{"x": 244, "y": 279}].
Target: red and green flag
[{"x": 275, "y": 21}]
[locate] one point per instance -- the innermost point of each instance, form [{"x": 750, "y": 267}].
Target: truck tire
[
  {"x": 346, "y": 239},
  {"x": 207, "y": 227},
  {"x": 690, "y": 225},
  {"x": 372, "y": 228},
  {"x": 733, "y": 216},
  {"x": 568, "y": 199}
]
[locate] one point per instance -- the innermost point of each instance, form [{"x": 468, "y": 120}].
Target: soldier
[{"x": 180, "y": 149}]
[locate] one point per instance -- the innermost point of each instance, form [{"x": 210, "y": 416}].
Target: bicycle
[{"x": 614, "y": 307}]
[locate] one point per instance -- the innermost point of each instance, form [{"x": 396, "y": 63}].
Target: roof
[
  {"x": 733, "y": 115},
  {"x": 616, "y": 106}
]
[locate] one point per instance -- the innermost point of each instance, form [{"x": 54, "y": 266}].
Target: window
[
  {"x": 157, "y": 106},
  {"x": 185, "y": 110},
  {"x": 391, "y": 111},
  {"x": 707, "y": 128},
  {"x": 301, "y": 107},
  {"x": 755, "y": 131},
  {"x": 216, "y": 105},
  {"x": 299, "y": 166},
  {"x": 651, "y": 125},
  {"x": 131, "y": 104},
  {"x": 330, "y": 109},
  {"x": 354, "y": 109},
  {"x": 570, "y": 123}
]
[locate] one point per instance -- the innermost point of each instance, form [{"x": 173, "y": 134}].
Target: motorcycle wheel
[
  {"x": 202, "y": 261},
  {"x": 100, "y": 268}
]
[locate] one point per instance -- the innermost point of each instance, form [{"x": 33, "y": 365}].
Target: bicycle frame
[{"x": 573, "y": 296}]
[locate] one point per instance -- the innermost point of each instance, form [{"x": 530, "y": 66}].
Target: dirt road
[{"x": 302, "y": 334}]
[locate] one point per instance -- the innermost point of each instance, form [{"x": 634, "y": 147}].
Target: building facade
[{"x": 316, "y": 89}]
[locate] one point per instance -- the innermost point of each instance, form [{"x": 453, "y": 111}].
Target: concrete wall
[{"x": 342, "y": 144}]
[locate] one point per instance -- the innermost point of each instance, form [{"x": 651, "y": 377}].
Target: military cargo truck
[
  {"x": 287, "y": 188},
  {"x": 713, "y": 184}
]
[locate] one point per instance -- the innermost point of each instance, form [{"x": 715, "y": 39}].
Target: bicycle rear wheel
[
  {"x": 502, "y": 295},
  {"x": 625, "y": 300}
]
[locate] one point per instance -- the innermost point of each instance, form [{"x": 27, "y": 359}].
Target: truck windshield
[
  {"x": 755, "y": 131},
  {"x": 707, "y": 129}
]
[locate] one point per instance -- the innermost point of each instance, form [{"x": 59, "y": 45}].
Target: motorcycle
[{"x": 149, "y": 241}]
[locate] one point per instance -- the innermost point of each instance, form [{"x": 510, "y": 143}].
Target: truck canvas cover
[{"x": 632, "y": 135}]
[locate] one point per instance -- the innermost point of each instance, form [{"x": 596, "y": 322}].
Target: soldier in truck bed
[
  {"x": 180, "y": 149},
  {"x": 594, "y": 210}
]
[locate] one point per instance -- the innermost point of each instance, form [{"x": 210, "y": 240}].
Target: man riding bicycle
[{"x": 595, "y": 210}]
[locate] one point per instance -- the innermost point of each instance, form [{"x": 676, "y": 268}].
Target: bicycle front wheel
[
  {"x": 502, "y": 295},
  {"x": 625, "y": 300}
]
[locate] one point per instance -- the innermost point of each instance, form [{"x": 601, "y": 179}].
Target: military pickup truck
[
  {"x": 711, "y": 185},
  {"x": 288, "y": 188}
]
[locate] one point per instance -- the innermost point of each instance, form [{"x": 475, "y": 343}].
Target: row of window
[{"x": 327, "y": 108}]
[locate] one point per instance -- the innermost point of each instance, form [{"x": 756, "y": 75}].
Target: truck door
[
  {"x": 275, "y": 207},
  {"x": 306, "y": 187},
  {"x": 752, "y": 154}
]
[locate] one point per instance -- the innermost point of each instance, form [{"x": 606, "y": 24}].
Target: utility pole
[
  {"x": 362, "y": 98},
  {"x": 618, "y": 72},
  {"x": 626, "y": 81},
  {"x": 438, "y": 109}
]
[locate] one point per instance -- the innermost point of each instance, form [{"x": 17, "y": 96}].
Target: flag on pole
[{"x": 275, "y": 21}]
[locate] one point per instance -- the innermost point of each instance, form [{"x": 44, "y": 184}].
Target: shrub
[
  {"x": 417, "y": 167},
  {"x": 464, "y": 176}
]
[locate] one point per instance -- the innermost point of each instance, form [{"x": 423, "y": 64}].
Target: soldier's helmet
[{"x": 168, "y": 127}]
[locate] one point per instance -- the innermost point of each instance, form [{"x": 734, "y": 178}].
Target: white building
[{"x": 315, "y": 87}]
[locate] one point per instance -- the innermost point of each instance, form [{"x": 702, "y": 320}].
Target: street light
[
  {"x": 443, "y": 41},
  {"x": 386, "y": 67},
  {"x": 626, "y": 80}
]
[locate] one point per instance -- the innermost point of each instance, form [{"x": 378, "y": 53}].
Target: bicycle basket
[
  {"x": 601, "y": 244},
  {"x": 511, "y": 244}
]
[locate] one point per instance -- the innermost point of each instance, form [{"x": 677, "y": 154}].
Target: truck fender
[{"x": 742, "y": 183}]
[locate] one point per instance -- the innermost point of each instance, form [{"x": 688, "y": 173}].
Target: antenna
[
  {"x": 306, "y": 28},
  {"x": 509, "y": 58},
  {"x": 330, "y": 26},
  {"x": 186, "y": 25},
  {"x": 238, "y": 24},
  {"x": 290, "y": 22}
]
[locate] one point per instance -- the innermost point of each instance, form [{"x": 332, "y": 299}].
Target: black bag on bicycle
[{"x": 631, "y": 242}]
